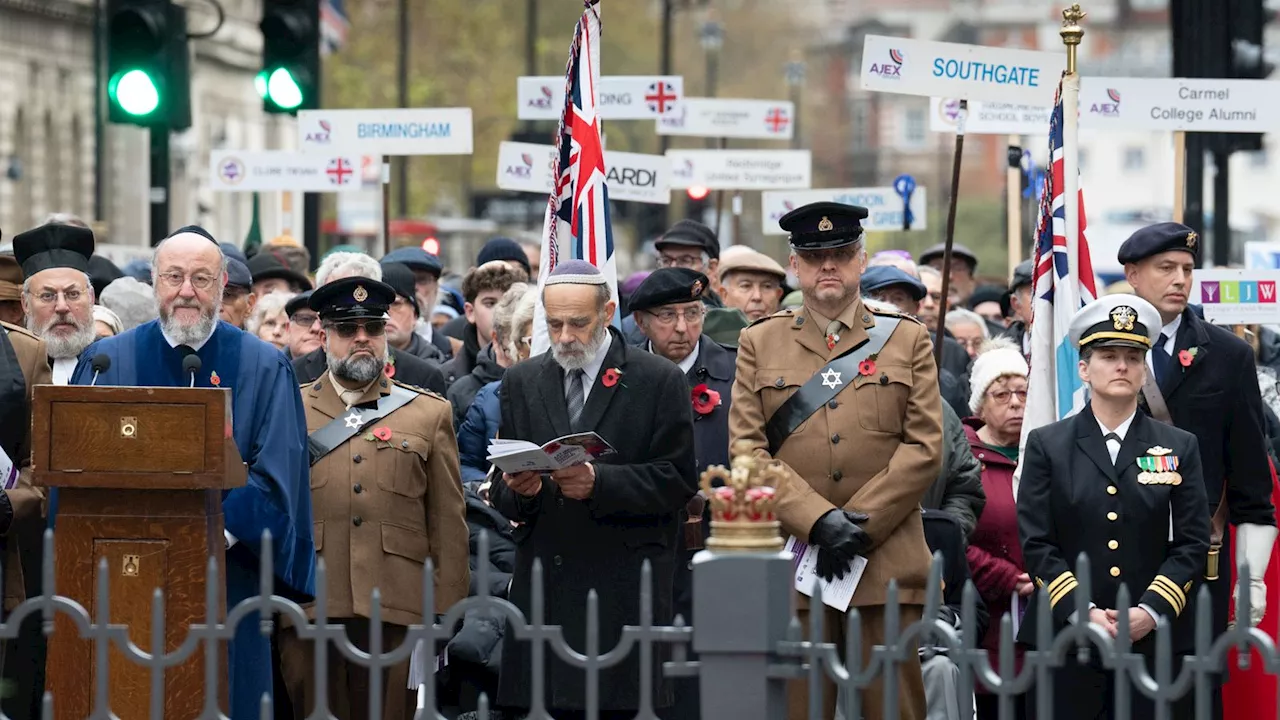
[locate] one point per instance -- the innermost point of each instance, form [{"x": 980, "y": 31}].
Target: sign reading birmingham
[{"x": 411, "y": 130}]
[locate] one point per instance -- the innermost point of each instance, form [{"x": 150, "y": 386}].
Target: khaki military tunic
[{"x": 26, "y": 499}]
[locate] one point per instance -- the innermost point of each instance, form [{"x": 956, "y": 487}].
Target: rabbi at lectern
[{"x": 186, "y": 345}]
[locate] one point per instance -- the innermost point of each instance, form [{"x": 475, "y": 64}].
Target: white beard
[
  {"x": 576, "y": 355},
  {"x": 64, "y": 346}
]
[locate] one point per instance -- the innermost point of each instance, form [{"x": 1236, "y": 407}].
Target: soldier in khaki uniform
[
  {"x": 30, "y": 365},
  {"x": 847, "y": 400},
  {"x": 386, "y": 495}
]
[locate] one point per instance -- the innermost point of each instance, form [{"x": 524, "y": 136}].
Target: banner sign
[
  {"x": 745, "y": 119},
  {"x": 528, "y": 167},
  {"x": 392, "y": 131},
  {"x": 1238, "y": 297},
  {"x": 1171, "y": 104},
  {"x": 621, "y": 97},
  {"x": 973, "y": 72},
  {"x": 884, "y": 205},
  {"x": 265, "y": 170},
  {"x": 989, "y": 118},
  {"x": 1262, "y": 255},
  {"x": 740, "y": 169}
]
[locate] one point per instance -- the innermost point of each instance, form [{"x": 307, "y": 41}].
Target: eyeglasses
[
  {"x": 304, "y": 319},
  {"x": 972, "y": 344},
  {"x": 348, "y": 330},
  {"x": 1003, "y": 396},
  {"x": 818, "y": 258},
  {"x": 50, "y": 297},
  {"x": 691, "y": 315},
  {"x": 684, "y": 261},
  {"x": 199, "y": 281}
]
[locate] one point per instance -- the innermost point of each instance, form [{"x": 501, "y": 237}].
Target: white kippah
[
  {"x": 575, "y": 272},
  {"x": 1000, "y": 359}
]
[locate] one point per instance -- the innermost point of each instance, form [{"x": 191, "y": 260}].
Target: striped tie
[{"x": 574, "y": 397}]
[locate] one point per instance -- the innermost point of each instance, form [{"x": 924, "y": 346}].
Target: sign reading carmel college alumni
[
  {"x": 973, "y": 72},
  {"x": 528, "y": 167},
  {"x": 1172, "y": 104},
  {"x": 722, "y": 118},
  {"x": 740, "y": 169},
  {"x": 392, "y": 131},
  {"x": 621, "y": 97},
  {"x": 884, "y": 206},
  {"x": 267, "y": 170}
]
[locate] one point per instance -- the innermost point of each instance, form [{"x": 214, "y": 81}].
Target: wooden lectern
[{"x": 140, "y": 473}]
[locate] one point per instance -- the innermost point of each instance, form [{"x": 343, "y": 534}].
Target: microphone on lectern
[
  {"x": 191, "y": 363},
  {"x": 100, "y": 364}
]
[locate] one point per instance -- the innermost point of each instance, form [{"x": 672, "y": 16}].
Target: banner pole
[
  {"x": 951, "y": 233},
  {"x": 1071, "y": 33},
  {"x": 1013, "y": 198},
  {"x": 1179, "y": 174}
]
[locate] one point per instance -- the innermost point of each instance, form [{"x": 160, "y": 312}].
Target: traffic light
[
  {"x": 698, "y": 204},
  {"x": 1246, "y": 57},
  {"x": 290, "y": 76},
  {"x": 148, "y": 64}
]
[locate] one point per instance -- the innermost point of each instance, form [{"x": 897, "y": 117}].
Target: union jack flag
[
  {"x": 1060, "y": 288},
  {"x": 578, "y": 224}
]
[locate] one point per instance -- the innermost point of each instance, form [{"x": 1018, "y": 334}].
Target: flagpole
[
  {"x": 1071, "y": 33},
  {"x": 1179, "y": 174},
  {"x": 1013, "y": 199},
  {"x": 961, "y": 119}
]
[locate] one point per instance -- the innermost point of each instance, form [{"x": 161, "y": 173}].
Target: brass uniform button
[
  {"x": 357, "y": 520},
  {"x": 778, "y": 383},
  {"x": 1113, "y": 545},
  {"x": 837, "y": 476},
  {"x": 357, "y": 459},
  {"x": 1111, "y": 490},
  {"x": 1112, "y": 516},
  {"x": 358, "y": 488},
  {"x": 1115, "y": 572},
  {"x": 835, "y": 439}
]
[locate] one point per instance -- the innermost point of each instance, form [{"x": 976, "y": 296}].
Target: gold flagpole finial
[{"x": 1071, "y": 33}]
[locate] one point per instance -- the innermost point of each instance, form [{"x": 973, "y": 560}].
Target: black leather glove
[{"x": 839, "y": 539}]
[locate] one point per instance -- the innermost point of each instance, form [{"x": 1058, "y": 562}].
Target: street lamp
[{"x": 795, "y": 74}]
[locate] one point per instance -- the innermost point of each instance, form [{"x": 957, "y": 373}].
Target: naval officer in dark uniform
[{"x": 1126, "y": 491}]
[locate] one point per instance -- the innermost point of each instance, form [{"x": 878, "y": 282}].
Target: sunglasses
[{"x": 348, "y": 330}]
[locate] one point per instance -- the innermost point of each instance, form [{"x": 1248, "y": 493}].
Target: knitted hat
[{"x": 999, "y": 358}]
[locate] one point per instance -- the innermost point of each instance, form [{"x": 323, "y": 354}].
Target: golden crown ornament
[{"x": 743, "y": 517}]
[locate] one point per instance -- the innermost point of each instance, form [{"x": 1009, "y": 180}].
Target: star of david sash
[
  {"x": 816, "y": 392},
  {"x": 340, "y": 429}
]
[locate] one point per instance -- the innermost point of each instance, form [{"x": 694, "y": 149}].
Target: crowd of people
[{"x": 366, "y": 395}]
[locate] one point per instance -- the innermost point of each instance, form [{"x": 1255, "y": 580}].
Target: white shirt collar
[
  {"x": 62, "y": 370},
  {"x": 1170, "y": 331},
  {"x": 592, "y": 369},
  {"x": 1121, "y": 430},
  {"x": 194, "y": 346},
  {"x": 687, "y": 363},
  {"x": 425, "y": 329}
]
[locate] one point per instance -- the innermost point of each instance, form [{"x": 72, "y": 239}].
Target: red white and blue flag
[
  {"x": 334, "y": 26},
  {"x": 578, "y": 224},
  {"x": 1062, "y": 285}
]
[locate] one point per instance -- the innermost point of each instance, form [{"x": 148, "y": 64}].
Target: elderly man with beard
[
  {"x": 269, "y": 428},
  {"x": 378, "y": 521},
  {"x": 57, "y": 295},
  {"x": 591, "y": 526}
]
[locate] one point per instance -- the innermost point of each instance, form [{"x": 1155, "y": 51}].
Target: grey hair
[
  {"x": 348, "y": 264},
  {"x": 268, "y": 304},
  {"x": 63, "y": 218},
  {"x": 155, "y": 256},
  {"x": 929, "y": 270},
  {"x": 504, "y": 313},
  {"x": 26, "y": 284},
  {"x": 522, "y": 316},
  {"x": 960, "y": 316},
  {"x": 132, "y": 300}
]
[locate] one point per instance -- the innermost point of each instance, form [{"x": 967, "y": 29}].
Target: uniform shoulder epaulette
[
  {"x": 900, "y": 316},
  {"x": 786, "y": 313},
  {"x": 419, "y": 390},
  {"x": 19, "y": 329}
]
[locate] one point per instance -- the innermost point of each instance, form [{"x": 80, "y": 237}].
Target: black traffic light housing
[
  {"x": 290, "y": 45},
  {"x": 148, "y": 64}
]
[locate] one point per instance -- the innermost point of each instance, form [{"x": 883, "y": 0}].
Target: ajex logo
[
  {"x": 891, "y": 69},
  {"x": 1108, "y": 109},
  {"x": 524, "y": 170},
  {"x": 776, "y": 215},
  {"x": 543, "y": 100},
  {"x": 321, "y": 134}
]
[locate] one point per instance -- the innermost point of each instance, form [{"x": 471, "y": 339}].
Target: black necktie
[{"x": 1161, "y": 360}]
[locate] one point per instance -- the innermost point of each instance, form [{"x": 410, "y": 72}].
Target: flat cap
[
  {"x": 10, "y": 278},
  {"x": 352, "y": 298},
  {"x": 401, "y": 279},
  {"x": 936, "y": 252},
  {"x": 238, "y": 274},
  {"x": 691, "y": 233},
  {"x": 266, "y": 266},
  {"x": 667, "y": 286},
  {"x": 751, "y": 261},
  {"x": 1023, "y": 274},
  {"x": 416, "y": 258},
  {"x": 1158, "y": 238},
  {"x": 986, "y": 293},
  {"x": 233, "y": 252},
  {"x": 297, "y": 302},
  {"x": 879, "y": 277},
  {"x": 824, "y": 225},
  {"x": 1116, "y": 321},
  {"x": 53, "y": 246}
]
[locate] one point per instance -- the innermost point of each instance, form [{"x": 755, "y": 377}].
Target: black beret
[
  {"x": 957, "y": 251},
  {"x": 416, "y": 258},
  {"x": 879, "y": 277},
  {"x": 1158, "y": 238},
  {"x": 238, "y": 274},
  {"x": 667, "y": 286},
  {"x": 401, "y": 279},
  {"x": 352, "y": 298},
  {"x": 53, "y": 246},
  {"x": 986, "y": 293},
  {"x": 297, "y": 302},
  {"x": 691, "y": 233},
  {"x": 102, "y": 272},
  {"x": 266, "y": 266},
  {"x": 824, "y": 225}
]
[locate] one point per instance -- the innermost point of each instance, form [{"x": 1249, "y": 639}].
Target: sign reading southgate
[
  {"x": 884, "y": 206},
  {"x": 973, "y": 72},
  {"x": 740, "y": 169},
  {"x": 621, "y": 97},
  {"x": 266, "y": 170},
  {"x": 1179, "y": 104},
  {"x": 528, "y": 167},
  {"x": 745, "y": 119},
  {"x": 392, "y": 131}
]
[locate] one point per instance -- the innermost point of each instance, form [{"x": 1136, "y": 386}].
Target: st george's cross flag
[
  {"x": 578, "y": 226},
  {"x": 1062, "y": 284}
]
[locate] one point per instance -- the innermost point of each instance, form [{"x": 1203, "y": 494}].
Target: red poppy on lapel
[
  {"x": 389, "y": 369},
  {"x": 1186, "y": 357},
  {"x": 867, "y": 367},
  {"x": 611, "y": 377},
  {"x": 214, "y": 380},
  {"x": 383, "y": 433},
  {"x": 705, "y": 400}
]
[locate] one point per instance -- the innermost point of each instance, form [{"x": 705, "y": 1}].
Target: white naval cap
[{"x": 1116, "y": 320}]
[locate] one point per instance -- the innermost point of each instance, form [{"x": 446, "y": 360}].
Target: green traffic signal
[
  {"x": 260, "y": 84},
  {"x": 135, "y": 92},
  {"x": 283, "y": 89}
]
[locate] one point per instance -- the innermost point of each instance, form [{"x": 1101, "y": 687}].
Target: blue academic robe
[{"x": 270, "y": 430}]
